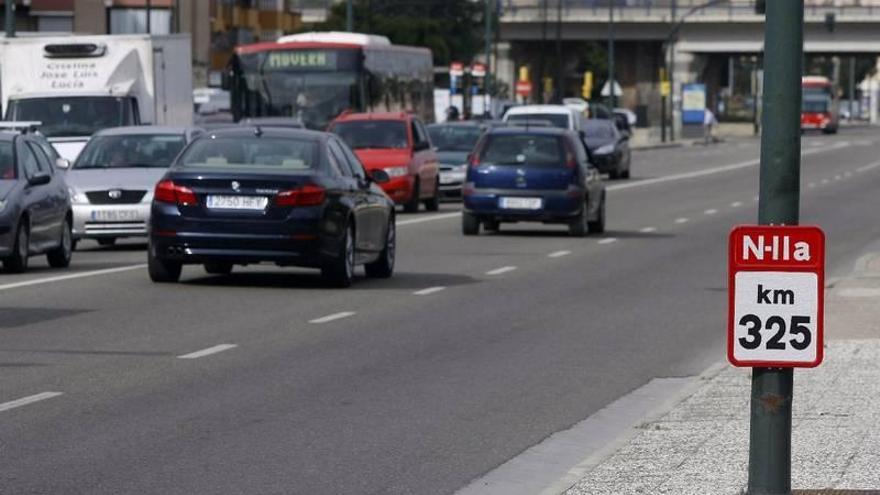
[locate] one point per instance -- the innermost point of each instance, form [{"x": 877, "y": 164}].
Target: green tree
[{"x": 452, "y": 29}]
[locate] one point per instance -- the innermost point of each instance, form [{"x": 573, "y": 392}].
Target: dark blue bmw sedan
[
  {"x": 291, "y": 197},
  {"x": 534, "y": 174}
]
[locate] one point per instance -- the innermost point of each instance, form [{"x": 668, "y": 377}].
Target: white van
[{"x": 558, "y": 115}]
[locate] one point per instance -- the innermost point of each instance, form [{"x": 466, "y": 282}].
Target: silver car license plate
[
  {"x": 521, "y": 203},
  {"x": 237, "y": 202},
  {"x": 116, "y": 216}
]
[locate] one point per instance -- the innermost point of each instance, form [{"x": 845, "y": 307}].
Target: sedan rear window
[
  {"x": 133, "y": 150},
  {"x": 7, "y": 162},
  {"x": 259, "y": 154},
  {"x": 379, "y": 134},
  {"x": 523, "y": 150},
  {"x": 557, "y": 119}
]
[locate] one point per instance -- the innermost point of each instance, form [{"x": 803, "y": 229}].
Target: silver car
[{"x": 111, "y": 183}]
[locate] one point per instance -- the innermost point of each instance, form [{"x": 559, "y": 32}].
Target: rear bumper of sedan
[
  {"x": 192, "y": 241},
  {"x": 556, "y": 206},
  {"x": 605, "y": 163},
  {"x": 102, "y": 221}
]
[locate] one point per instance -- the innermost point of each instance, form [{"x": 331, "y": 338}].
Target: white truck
[{"x": 75, "y": 85}]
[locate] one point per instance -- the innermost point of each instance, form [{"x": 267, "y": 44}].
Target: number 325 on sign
[{"x": 775, "y": 295}]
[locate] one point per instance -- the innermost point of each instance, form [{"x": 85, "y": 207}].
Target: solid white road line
[
  {"x": 208, "y": 351},
  {"x": 558, "y": 254},
  {"x": 648, "y": 229},
  {"x": 61, "y": 278},
  {"x": 499, "y": 271},
  {"x": 681, "y": 220},
  {"x": 431, "y": 218},
  {"x": 710, "y": 211},
  {"x": 712, "y": 171},
  {"x": 608, "y": 240},
  {"x": 28, "y": 400},
  {"x": 334, "y": 316},
  {"x": 429, "y": 290},
  {"x": 736, "y": 204}
]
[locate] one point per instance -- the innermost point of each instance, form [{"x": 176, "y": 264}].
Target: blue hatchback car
[{"x": 532, "y": 175}]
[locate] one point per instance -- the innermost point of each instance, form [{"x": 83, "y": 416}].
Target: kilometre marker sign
[{"x": 776, "y": 288}]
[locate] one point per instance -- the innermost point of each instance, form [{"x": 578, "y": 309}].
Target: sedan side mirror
[
  {"x": 39, "y": 179},
  {"x": 62, "y": 163},
  {"x": 379, "y": 176}
]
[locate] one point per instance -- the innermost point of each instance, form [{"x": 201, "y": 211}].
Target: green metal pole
[
  {"x": 613, "y": 99},
  {"x": 349, "y": 16},
  {"x": 488, "y": 46},
  {"x": 770, "y": 432},
  {"x": 10, "y": 19}
]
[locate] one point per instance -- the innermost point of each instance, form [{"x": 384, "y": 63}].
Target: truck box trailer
[{"x": 76, "y": 85}]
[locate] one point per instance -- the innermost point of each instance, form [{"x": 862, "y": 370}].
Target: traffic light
[
  {"x": 760, "y": 7},
  {"x": 587, "y": 88},
  {"x": 829, "y": 21}
]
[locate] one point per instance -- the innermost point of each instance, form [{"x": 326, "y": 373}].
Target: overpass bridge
[{"x": 717, "y": 43}]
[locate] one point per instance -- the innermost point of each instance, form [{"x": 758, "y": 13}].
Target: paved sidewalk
[{"x": 700, "y": 446}]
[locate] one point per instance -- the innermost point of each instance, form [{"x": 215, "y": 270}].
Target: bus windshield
[
  {"x": 62, "y": 116},
  {"x": 297, "y": 84}
]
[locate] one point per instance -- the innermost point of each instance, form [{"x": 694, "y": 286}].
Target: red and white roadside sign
[
  {"x": 524, "y": 88},
  {"x": 776, "y": 296},
  {"x": 456, "y": 69},
  {"x": 478, "y": 70}
]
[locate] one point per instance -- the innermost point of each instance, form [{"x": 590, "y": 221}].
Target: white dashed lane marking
[
  {"x": 681, "y": 220},
  {"x": 608, "y": 240},
  {"x": 429, "y": 290},
  {"x": 333, "y": 317},
  {"x": 558, "y": 254},
  {"x": 5, "y": 406},
  {"x": 647, "y": 230},
  {"x": 499, "y": 271},
  {"x": 711, "y": 211},
  {"x": 736, "y": 204},
  {"x": 208, "y": 351}
]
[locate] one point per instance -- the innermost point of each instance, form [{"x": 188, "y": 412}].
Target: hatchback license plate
[
  {"x": 521, "y": 203},
  {"x": 237, "y": 202}
]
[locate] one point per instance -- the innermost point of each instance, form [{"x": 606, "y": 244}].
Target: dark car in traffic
[
  {"x": 453, "y": 142},
  {"x": 532, "y": 175},
  {"x": 609, "y": 148},
  {"x": 35, "y": 215},
  {"x": 285, "y": 196}
]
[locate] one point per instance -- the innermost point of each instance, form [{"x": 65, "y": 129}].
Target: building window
[{"x": 134, "y": 21}]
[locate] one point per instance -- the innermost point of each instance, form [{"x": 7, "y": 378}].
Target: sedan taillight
[
  {"x": 169, "y": 192},
  {"x": 307, "y": 195}
]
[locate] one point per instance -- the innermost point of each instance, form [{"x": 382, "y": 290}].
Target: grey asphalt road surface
[{"x": 264, "y": 382}]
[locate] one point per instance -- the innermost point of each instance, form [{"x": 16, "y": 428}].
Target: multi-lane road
[{"x": 477, "y": 349}]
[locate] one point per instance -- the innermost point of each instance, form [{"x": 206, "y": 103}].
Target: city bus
[
  {"x": 315, "y": 77},
  {"x": 820, "y": 108}
]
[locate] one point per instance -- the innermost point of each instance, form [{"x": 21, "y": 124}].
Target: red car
[{"x": 399, "y": 144}]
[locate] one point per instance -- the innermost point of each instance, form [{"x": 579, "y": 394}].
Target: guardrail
[{"x": 520, "y": 10}]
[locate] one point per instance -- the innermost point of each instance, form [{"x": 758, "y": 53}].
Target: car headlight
[
  {"x": 76, "y": 197},
  {"x": 396, "y": 171},
  {"x": 2, "y": 205},
  {"x": 605, "y": 149}
]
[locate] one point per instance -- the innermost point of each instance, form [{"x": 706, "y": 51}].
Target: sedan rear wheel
[
  {"x": 339, "y": 271},
  {"x": 577, "y": 226},
  {"x": 598, "y": 226},
  {"x": 433, "y": 203},
  {"x": 412, "y": 206},
  {"x": 17, "y": 262},
  {"x": 162, "y": 271},
  {"x": 60, "y": 256},
  {"x": 470, "y": 224},
  {"x": 384, "y": 266}
]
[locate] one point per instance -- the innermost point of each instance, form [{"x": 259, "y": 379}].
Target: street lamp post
[
  {"x": 10, "y": 19},
  {"x": 613, "y": 99},
  {"x": 349, "y": 16}
]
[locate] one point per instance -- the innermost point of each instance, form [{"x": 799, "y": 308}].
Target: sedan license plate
[
  {"x": 115, "y": 216},
  {"x": 521, "y": 203},
  {"x": 237, "y": 202}
]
